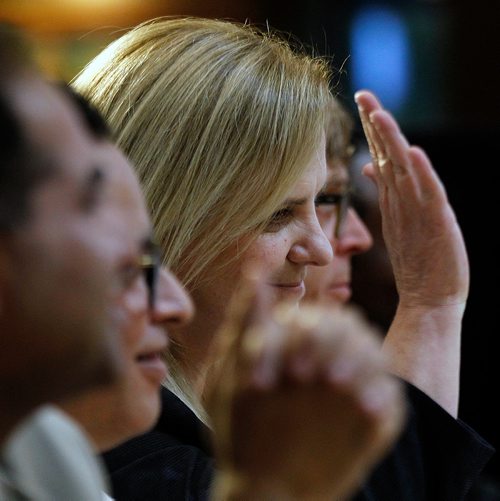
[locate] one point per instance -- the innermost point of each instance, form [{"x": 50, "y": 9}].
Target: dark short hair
[
  {"x": 22, "y": 165},
  {"x": 93, "y": 119},
  {"x": 18, "y": 172}
]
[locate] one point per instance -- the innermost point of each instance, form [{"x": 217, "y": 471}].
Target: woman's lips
[
  {"x": 153, "y": 367},
  {"x": 290, "y": 289}
]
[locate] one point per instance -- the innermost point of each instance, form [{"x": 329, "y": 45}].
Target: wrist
[
  {"x": 421, "y": 303},
  {"x": 434, "y": 314}
]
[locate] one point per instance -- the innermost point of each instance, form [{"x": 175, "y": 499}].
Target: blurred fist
[{"x": 301, "y": 403}]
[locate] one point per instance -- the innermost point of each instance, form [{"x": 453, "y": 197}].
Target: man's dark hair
[
  {"x": 93, "y": 119},
  {"x": 22, "y": 166},
  {"x": 21, "y": 169},
  {"x": 18, "y": 172}
]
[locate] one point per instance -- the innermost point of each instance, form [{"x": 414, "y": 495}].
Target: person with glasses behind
[
  {"x": 427, "y": 251},
  {"x": 347, "y": 233}
]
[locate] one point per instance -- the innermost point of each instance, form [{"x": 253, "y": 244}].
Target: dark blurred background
[{"x": 433, "y": 63}]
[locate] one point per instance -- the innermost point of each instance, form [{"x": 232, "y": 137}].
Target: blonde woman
[{"x": 226, "y": 128}]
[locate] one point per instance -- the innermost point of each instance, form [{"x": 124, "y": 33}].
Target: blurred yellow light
[
  {"x": 60, "y": 16},
  {"x": 95, "y": 3}
]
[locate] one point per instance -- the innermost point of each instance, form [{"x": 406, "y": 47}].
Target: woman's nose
[
  {"x": 313, "y": 247},
  {"x": 354, "y": 237}
]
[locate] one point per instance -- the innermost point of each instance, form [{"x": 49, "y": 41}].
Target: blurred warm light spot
[
  {"x": 98, "y": 3},
  {"x": 63, "y": 16},
  {"x": 69, "y": 33}
]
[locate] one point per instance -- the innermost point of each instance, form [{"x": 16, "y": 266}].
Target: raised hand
[
  {"x": 423, "y": 238},
  {"x": 428, "y": 255}
]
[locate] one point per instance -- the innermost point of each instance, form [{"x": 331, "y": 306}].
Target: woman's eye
[
  {"x": 328, "y": 199},
  {"x": 279, "y": 219}
]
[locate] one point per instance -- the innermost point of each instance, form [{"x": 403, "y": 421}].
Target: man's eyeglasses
[
  {"x": 150, "y": 262},
  {"x": 333, "y": 205}
]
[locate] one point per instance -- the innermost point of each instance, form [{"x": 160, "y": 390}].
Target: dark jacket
[{"x": 437, "y": 458}]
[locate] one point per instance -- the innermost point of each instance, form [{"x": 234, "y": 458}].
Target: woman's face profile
[{"x": 292, "y": 241}]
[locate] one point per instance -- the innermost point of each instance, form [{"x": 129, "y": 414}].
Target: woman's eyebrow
[{"x": 294, "y": 202}]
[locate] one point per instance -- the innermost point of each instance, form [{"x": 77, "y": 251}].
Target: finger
[
  {"x": 374, "y": 108},
  {"x": 304, "y": 347},
  {"x": 395, "y": 144},
  {"x": 430, "y": 183},
  {"x": 264, "y": 361},
  {"x": 347, "y": 345},
  {"x": 368, "y": 130},
  {"x": 383, "y": 158},
  {"x": 369, "y": 172},
  {"x": 358, "y": 361},
  {"x": 367, "y": 105},
  {"x": 378, "y": 392},
  {"x": 367, "y": 100}
]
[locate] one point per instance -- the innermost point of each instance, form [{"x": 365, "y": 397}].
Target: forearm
[{"x": 424, "y": 349}]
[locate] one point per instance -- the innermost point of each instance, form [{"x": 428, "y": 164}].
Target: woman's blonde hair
[{"x": 219, "y": 119}]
